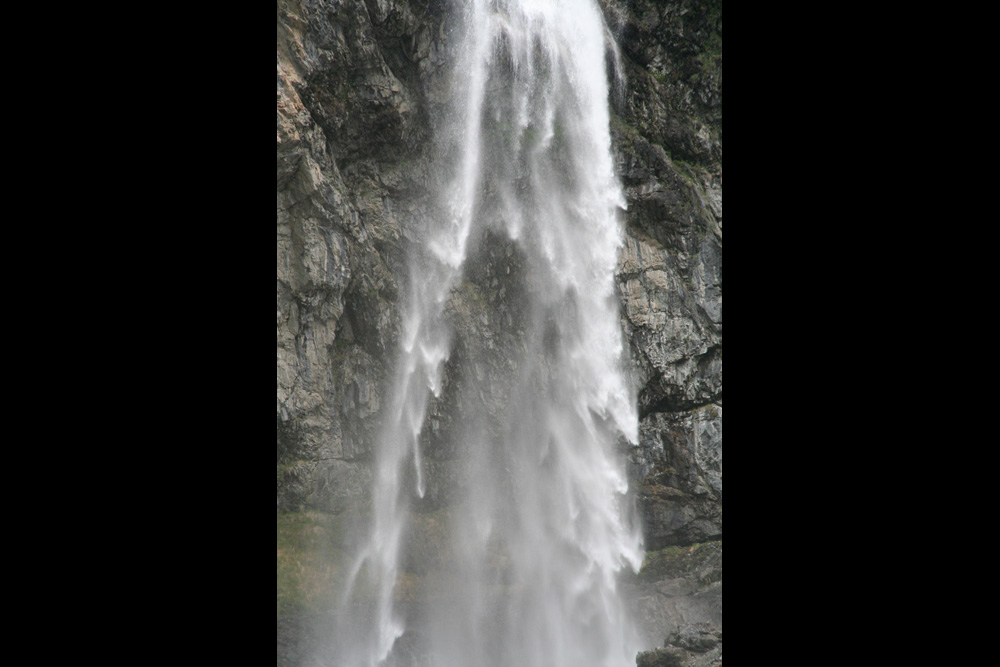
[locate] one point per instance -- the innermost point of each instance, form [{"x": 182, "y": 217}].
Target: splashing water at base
[{"x": 541, "y": 531}]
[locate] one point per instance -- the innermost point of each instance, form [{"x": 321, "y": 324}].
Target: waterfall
[{"x": 528, "y": 151}]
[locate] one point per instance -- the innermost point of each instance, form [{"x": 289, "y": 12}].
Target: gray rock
[
  {"x": 679, "y": 465},
  {"x": 669, "y": 656},
  {"x": 697, "y": 637},
  {"x": 678, "y": 587},
  {"x": 693, "y": 645}
]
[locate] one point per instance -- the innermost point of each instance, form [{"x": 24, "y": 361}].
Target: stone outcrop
[
  {"x": 677, "y": 587},
  {"x": 696, "y": 645},
  {"x": 359, "y": 85},
  {"x": 352, "y": 123}
]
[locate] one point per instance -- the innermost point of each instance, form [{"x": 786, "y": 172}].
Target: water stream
[{"x": 530, "y": 161}]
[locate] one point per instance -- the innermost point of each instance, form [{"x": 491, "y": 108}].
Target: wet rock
[
  {"x": 670, "y": 656},
  {"x": 677, "y": 587},
  {"x": 694, "y": 645},
  {"x": 697, "y": 637},
  {"x": 679, "y": 464}
]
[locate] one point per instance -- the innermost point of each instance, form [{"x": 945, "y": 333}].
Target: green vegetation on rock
[
  {"x": 310, "y": 560},
  {"x": 676, "y": 562}
]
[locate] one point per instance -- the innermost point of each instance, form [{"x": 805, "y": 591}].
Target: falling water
[{"x": 529, "y": 154}]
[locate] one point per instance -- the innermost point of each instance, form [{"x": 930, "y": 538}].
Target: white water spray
[{"x": 529, "y": 132}]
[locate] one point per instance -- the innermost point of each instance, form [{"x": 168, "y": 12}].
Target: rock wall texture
[{"x": 358, "y": 87}]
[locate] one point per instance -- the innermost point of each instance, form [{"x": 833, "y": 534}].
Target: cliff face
[{"x": 359, "y": 87}]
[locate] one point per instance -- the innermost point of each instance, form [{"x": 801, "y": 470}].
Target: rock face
[
  {"x": 359, "y": 86},
  {"x": 698, "y": 645},
  {"x": 677, "y": 589}
]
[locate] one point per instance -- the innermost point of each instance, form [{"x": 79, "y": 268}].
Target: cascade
[{"x": 527, "y": 150}]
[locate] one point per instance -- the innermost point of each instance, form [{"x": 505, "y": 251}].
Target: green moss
[
  {"x": 674, "y": 562},
  {"x": 710, "y": 60},
  {"x": 310, "y": 560},
  {"x": 683, "y": 168},
  {"x": 469, "y": 299},
  {"x": 619, "y": 125},
  {"x": 284, "y": 468},
  {"x": 628, "y": 133},
  {"x": 713, "y": 45}
]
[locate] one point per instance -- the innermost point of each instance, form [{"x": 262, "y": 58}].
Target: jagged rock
[
  {"x": 694, "y": 645},
  {"x": 697, "y": 637},
  {"x": 677, "y": 587},
  {"x": 668, "y": 656},
  {"x": 347, "y": 98},
  {"x": 679, "y": 465}
]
